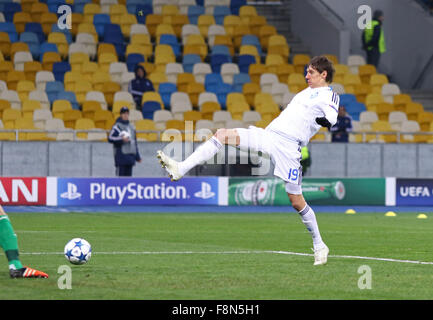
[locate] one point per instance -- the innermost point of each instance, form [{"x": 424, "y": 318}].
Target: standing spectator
[
  {"x": 124, "y": 140},
  {"x": 139, "y": 85},
  {"x": 373, "y": 39},
  {"x": 340, "y": 131}
]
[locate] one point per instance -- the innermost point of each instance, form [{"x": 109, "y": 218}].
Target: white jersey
[{"x": 298, "y": 120}]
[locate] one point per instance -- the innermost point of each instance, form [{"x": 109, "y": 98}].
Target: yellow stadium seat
[
  {"x": 77, "y": 59},
  {"x": 265, "y": 32},
  {"x": 104, "y": 61},
  {"x": 37, "y": 9},
  {"x": 299, "y": 62},
  {"x": 377, "y": 81},
  {"x": 194, "y": 89},
  {"x": 255, "y": 71},
  {"x": 273, "y": 62},
  {"x": 89, "y": 108},
  {"x": 70, "y": 78},
  {"x": 383, "y": 110},
  {"x": 208, "y": 108},
  {"x": 81, "y": 88},
  {"x": 87, "y": 27},
  {"x": 296, "y": 82},
  {"x": 366, "y": 71},
  {"x": 350, "y": 80},
  {"x": 70, "y": 117},
  {"x": 98, "y": 80},
  {"x": 361, "y": 91},
  {"x": 47, "y": 20},
  {"x": 250, "y": 50},
  {"x": 4, "y": 104},
  {"x": 17, "y": 47},
  {"x": 23, "y": 89},
  {"x": 400, "y": 101},
  {"x": 146, "y": 125},
  {"x": 151, "y": 96},
  {"x": 284, "y": 71},
  {"x": 246, "y": 12},
  {"x": 230, "y": 22},
  {"x": 59, "y": 39},
  {"x": 49, "y": 58},
  {"x": 13, "y": 77},
  {"x": 256, "y": 22},
  {"x": 76, "y": 19},
  {"x": 412, "y": 110},
  {"x": 384, "y": 126},
  {"x": 31, "y": 68},
  {"x": 83, "y": 124},
  {"x": 103, "y": 119},
  {"x": 282, "y": 50},
  {"x": 177, "y": 22},
  {"x": 126, "y": 21},
  {"x": 192, "y": 115},
  {"x": 60, "y": 107},
  {"x": 20, "y": 19},
  {"x": 106, "y": 48},
  {"x": 183, "y": 79},
  {"x": 372, "y": 100},
  {"x": 28, "y": 106},
  {"x": 152, "y": 21},
  {"x": 116, "y": 12},
  {"x": 204, "y": 21},
  {"x": 9, "y": 117},
  {"x": 109, "y": 90},
  {"x": 225, "y": 40},
  {"x": 145, "y": 50},
  {"x": 250, "y": 90},
  {"x": 88, "y": 69},
  {"x": 157, "y": 78},
  {"x": 424, "y": 120},
  {"x": 5, "y": 67}
]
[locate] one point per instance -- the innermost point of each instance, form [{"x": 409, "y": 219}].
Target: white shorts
[{"x": 284, "y": 153}]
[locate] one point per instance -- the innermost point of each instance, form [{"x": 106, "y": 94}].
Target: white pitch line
[{"x": 236, "y": 252}]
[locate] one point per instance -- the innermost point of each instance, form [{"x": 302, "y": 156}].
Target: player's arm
[{"x": 330, "y": 113}]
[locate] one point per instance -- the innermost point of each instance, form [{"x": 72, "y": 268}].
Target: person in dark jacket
[
  {"x": 373, "y": 39},
  {"x": 139, "y": 85},
  {"x": 124, "y": 140},
  {"x": 340, "y": 131}
]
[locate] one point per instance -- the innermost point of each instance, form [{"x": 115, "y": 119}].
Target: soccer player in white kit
[{"x": 311, "y": 109}]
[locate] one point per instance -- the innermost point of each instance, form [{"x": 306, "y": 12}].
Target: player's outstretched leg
[
  {"x": 9, "y": 243},
  {"x": 308, "y": 217},
  {"x": 203, "y": 153}
]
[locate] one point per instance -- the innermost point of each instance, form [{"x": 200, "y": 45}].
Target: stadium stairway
[
  {"x": 278, "y": 14},
  {"x": 424, "y": 97}
]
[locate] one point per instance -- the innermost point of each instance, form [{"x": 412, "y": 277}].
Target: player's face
[{"x": 314, "y": 78}]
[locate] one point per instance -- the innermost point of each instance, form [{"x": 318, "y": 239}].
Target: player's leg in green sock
[{"x": 9, "y": 243}]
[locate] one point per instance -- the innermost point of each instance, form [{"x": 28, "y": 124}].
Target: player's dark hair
[{"x": 322, "y": 63}]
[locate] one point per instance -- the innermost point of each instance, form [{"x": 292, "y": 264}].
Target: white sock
[
  {"x": 203, "y": 153},
  {"x": 309, "y": 219}
]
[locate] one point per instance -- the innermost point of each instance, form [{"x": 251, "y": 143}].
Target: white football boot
[
  {"x": 170, "y": 165},
  {"x": 321, "y": 256}
]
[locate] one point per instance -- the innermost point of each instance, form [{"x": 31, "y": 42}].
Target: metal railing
[{"x": 199, "y": 135}]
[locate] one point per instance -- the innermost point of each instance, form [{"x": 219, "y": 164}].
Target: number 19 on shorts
[{"x": 293, "y": 175}]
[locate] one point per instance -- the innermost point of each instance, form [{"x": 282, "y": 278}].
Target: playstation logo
[
  {"x": 205, "y": 192},
  {"x": 72, "y": 193}
]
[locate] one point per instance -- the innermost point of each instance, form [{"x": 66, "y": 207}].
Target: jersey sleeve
[{"x": 329, "y": 106}]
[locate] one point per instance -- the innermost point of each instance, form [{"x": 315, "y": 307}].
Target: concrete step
[{"x": 423, "y": 97}]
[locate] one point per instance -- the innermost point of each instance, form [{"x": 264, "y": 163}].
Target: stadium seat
[
  {"x": 180, "y": 103},
  {"x": 160, "y": 117},
  {"x": 149, "y": 107},
  {"x": 166, "y": 89},
  {"x": 146, "y": 125},
  {"x": 396, "y": 118}
]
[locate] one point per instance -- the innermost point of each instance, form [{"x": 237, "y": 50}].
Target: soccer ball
[{"x": 78, "y": 251}]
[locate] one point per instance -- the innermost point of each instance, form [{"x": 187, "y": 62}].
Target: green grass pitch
[{"x": 159, "y": 256}]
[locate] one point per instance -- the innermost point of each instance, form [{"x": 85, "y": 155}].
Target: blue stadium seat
[
  {"x": 131, "y": 5},
  {"x": 35, "y": 27},
  {"x": 222, "y": 90},
  {"x": 141, "y": 12},
  {"x": 9, "y": 27},
  {"x": 149, "y": 107},
  {"x": 354, "y": 108},
  {"x": 244, "y": 62},
  {"x": 189, "y": 60},
  {"x": 79, "y": 5},
  {"x": 216, "y": 60},
  {"x": 113, "y": 34},
  {"x": 194, "y": 12},
  {"x": 52, "y": 89},
  {"x": 220, "y": 49},
  {"x": 32, "y": 41},
  {"x": 165, "y": 90},
  {"x": 70, "y": 96},
  {"x": 250, "y": 39},
  {"x": 10, "y": 9},
  {"x": 100, "y": 21},
  {"x": 235, "y": 5},
  {"x": 239, "y": 80},
  {"x": 219, "y": 12},
  {"x": 212, "y": 81},
  {"x": 347, "y": 98},
  {"x": 47, "y": 47},
  {"x": 132, "y": 60},
  {"x": 171, "y": 40},
  {"x": 54, "y": 4},
  {"x": 59, "y": 70}
]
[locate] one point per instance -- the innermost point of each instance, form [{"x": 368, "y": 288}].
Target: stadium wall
[
  {"x": 406, "y": 27},
  {"x": 95, "y": 159}
]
